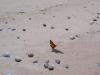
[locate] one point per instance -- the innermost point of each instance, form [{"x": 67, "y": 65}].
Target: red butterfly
[{"x": 52, "y": 44}]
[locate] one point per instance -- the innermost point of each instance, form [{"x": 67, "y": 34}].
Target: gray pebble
[
  {"x": 7, "y": 54},
  {"x": 30, "y": 55},
  {"x": 67, "y": 67},
  {"x": 57, "y": 61},
  {"x": 46, "y": 65},
  {"x": 50, "y": 68},
  {"x": 18, "y": 59},
  {"x": 72, "y": 38},
  {"x": 36, "y": 61}
]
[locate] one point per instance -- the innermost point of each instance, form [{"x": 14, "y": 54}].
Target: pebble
[
  {"x": 44, "y": 25},
  {"x": 50, "y": 68},
  {"x": 66, "y": 29},
  {"x": 7, "y": 54},
  {"x": 67, "y": 67},
  {"x": 18, "y": 59},
  {"x": 72, "y": 38},
  {"x": 31, "y": 55},
  {"x": 52, "y": 27},
  {"x": 57, "y": 61},
  {"x": 46, "y": 65},
  {"x": 36, "y": 61},
  {"x": 24, "y": 29}
]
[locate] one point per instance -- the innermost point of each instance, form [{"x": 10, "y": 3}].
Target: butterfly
[{"x": 52, "y": 44}]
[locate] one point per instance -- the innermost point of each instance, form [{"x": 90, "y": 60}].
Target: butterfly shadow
[{"x": 57, "y": 51}]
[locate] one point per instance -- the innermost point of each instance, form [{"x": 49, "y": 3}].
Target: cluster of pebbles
[{"x": 47, "y": 64}]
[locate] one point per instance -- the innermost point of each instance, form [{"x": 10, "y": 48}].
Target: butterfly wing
[{"x": 52, "y": 44}]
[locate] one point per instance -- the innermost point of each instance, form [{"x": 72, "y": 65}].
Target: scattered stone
[
  {"x": 77, "y": 36},
  {"x": 7, "y": 54},
  {"x": 67, "y": 67},
  {"x": 53, "y": 16},
  {"x": 36, "y": 61},
  {"x": 1, "y": 29},
  {"x": 31, "y": 55},
  {"x": 94, "y": 19},
  {"x": 46, "y": 65},
  {"x": 44, "y": 25},
  {"x": 52, "y": 27},
  {"x": 13, "y": 29},
  {"x": 50, "y": 68},
  {"x": 66, "y": 29},
  {"x": 57, "y": 61},
  {"x": 24, "y": 29},
  {"x": 18, "y": 37},
  {"x": 98, "y": 13},
  {"x": 18, "y": 59},
  {"x": 6, "y": 22},
  {"x": 72, "y": 38},
  {"x": 30, "y": 18},
  {"x": 68, "y": 17},
  {"x": 97, "y": 17}
]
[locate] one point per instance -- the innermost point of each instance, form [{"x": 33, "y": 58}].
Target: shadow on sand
[{"x": 57, "y": 51}]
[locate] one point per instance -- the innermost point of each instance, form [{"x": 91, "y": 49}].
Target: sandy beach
[{"x": 27, "y": 26}]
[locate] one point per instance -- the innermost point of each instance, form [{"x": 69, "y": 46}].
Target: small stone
[
  {"x": 6, "y": 22},
  {"x": 7, "y": 54},
  {"x": 30, "y": 18},
  {"x": 57, "y": 61},
  {"x": 72, "y": 38},
  {"x": 46, "y": 65},
  {"x": 24, "y": 29},
  {"x": 18, "y": 59},
  {"x": 13, "y": 29},
  {"x": 66, "y": 29},
  {"x": 52, "y": 27},
  {"x": 30, "y": 55},
  {"x": 1, "y": 29},
  {"x": 68, "y": 17},
  {"x": 44, "y": 25},
  {"x": 94, "y": 19},
  {"x": 67, "y": 67},
  {"x": 18, "y": 37},
  {"x": 50, "y": 68},
  {"x": 98, "y": 13},
  {"x": 36, "y": 61}
]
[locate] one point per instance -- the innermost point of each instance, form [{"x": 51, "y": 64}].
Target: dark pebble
[
  {"x": 6, "y": 22},
  {"x": 50, "y": 68},
  {"x": 24, "y": 29},
  {"x": 72, "y": 38},
  {"x": 31, "y": 55},
  {"x": 13, "y": 29},
  {"x": 94, "y": 19},
  {"x": 1, "y": 29},
  {"x": 6, "y": 55},
  {"x": 18, "y": 37},
  {"x": 30, "y": 18},
  {"x": 67, "y": 67},
  {"x": 66, "y": 29},
  {"x": 18, "y": 59},
  {"x": 46, "y": 65},
  {"x": 36, "y": 61},
  {"x": 52, "y": 27},
  {"x": 57, "y": 61},
  {"x": 44, "y": 25},
  {"x": 69, "y": 17},
  {"x": 98, "y": 13}
]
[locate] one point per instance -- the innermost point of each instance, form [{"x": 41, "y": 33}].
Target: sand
[{"x": 27, "y": 26}]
